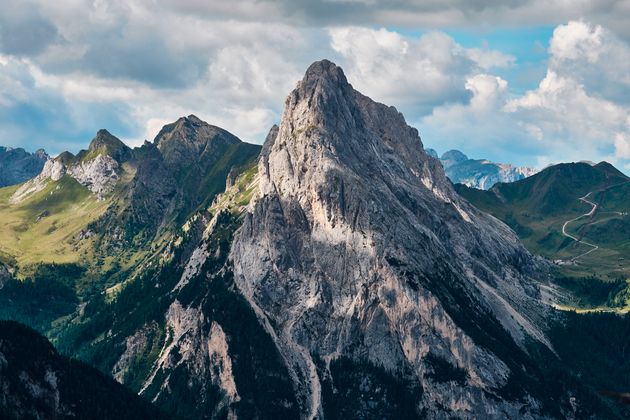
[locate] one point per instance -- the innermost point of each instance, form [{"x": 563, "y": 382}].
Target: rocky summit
[{"x": 357, "y": 250}]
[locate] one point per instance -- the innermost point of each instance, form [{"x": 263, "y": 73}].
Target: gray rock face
[
  {"x": 189, "y": 138},
  {"x": 99, "y": 175},
  {"x": 17, "y": 165},
  {"x": 53, "y": 169},
  {"x": 357, "y": 247},
  {"x": 480, "y": 173}
]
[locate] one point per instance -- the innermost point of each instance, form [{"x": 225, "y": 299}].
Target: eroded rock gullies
[{"x": 358, "y": 248}]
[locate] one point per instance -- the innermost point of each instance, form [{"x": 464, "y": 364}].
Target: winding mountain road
[{"x": 589, "y": 214}]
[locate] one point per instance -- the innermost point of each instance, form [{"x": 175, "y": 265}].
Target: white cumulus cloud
[
  {"x": 416, "y": 73},
  {"x": 578, "y": 110}
]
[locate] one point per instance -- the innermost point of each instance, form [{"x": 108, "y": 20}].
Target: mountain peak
[
  {"x": 324, "y": 95},
  {"x": 190, "y": 139},
  {"x": 18, "y": 165},
  {"x": 345, "y": 182},
  {"x": 106, "y": 142},
  {"x": 193, "y": 118},
  {"x": 324, "y": 70},
  {"x": 452, "y": 157},
  {"x": 324, "y": 112}
]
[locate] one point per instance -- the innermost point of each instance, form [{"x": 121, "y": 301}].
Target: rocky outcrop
[
  {"x": 213, "y": 342},
  {"x": 480, "y": 173},
  {"x": 17, "y": 165},
  {"x": 357, "y": 248},
  {"x": 53, "y": 170},
  {"x": 98, "y": 168},
  {"x": 99, "y": 175}
]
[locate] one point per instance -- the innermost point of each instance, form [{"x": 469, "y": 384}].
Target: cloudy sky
[{"x": 525, "y": 81}]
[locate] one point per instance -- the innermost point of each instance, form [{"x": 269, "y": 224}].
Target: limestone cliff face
[
  {"x": 53, "y": 170},
  {"x": 98, "y": 168},
  {"x": 357, "y": 247}
]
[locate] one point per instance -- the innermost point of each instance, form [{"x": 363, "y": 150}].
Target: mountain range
[
  {"x": 17, "y": 165},
  {"x": 479, "y": 173},
  {"x": 333, "y": 273}
]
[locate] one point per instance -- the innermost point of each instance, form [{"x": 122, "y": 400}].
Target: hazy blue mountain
[
  {"x": 479, "y": 173},
  {"x": 18, "y": 165}
]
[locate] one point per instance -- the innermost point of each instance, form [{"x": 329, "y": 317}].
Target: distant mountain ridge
[
  {"x": 479, "y": 173},
  {"x": 17, "y": 165}
]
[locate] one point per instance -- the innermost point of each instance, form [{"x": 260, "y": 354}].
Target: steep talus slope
[
  {"x": 37, "y": 382},
  {"x": 358, "y": 251},
  {"x": 18, "y": 165}
]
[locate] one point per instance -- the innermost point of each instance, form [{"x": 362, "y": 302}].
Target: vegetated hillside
[
  {"x": 93, "y": 236},
  {"x": 538, "y": 207},
  {"x": 37, "y": 382},
  {"x": 83, "y": 226}
]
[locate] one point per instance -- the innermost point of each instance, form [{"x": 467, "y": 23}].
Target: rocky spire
[
  {"x": 107, "y": 144},
  {"x": 358, "y": 247}
]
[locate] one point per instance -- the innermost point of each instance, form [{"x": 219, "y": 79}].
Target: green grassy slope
[
  {"x": 538, "y": 207},
  {"x": 44, "y": 227}
]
